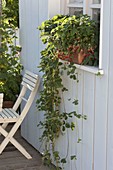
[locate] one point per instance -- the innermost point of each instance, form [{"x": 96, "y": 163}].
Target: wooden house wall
[{"x": 94, "y": 93}]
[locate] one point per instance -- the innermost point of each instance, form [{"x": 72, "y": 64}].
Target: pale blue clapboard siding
[
  {"x": 95, "y": 93},
  {"x": 75, "y": 133},
  {"x": 24, "y": 43},
  {"x": 84, "y": 150},
  {"x": 110, "y": 100},
  {"x": 88, "y": 109},
  {"x": 101, "y": 96},
  {"x": 31, "y": 17},
  {"x": 71, "y": 138},
  {"x": 29, "y": 39},
  {"x": 80, "y": 91}
]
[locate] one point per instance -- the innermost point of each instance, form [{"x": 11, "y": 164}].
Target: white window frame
[{"x": 87, "y": 6}]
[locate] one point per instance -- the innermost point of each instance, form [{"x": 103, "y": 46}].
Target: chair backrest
[{"x": 30, "y": 82}]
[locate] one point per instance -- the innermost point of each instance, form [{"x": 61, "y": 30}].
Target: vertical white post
[
  {"x": 1, "y": 101},
  {"x": 85, "y": 7},
  {"x": 101, "y": 35},
  {"x": 63, "y": 7},
  {"x": 53, "y": 7}
]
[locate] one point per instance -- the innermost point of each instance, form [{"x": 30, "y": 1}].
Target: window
[
  {"x": 75, "y": 7},
  {"x": 90, "y": 7}
]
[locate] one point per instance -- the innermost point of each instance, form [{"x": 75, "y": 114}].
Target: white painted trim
[
  {"x": 85, "y": 6},
  {"x": 53, "y": 7},
  {"x": 101, "y": 35},
  {"x": 95, "y": 6},
  {"x": 76, "y": 4},
  {"x": 90, "y": 69}
]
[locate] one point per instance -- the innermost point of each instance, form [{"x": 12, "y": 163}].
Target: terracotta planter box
[
  {"x": 76, "y": 58},
  {"x": 8, "y": 104}
]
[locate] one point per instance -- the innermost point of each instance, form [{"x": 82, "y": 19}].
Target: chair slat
[
  {"x": 31, "y": 74},
  {"x": 29, "y": 82},
  {"x": 2, "y": 115},
  {"x": 13, "y": 112},
  {"x": 7, "y": 114},
  {"x": 23, "y": 98},
  {"x": 27, "y": 86},
  {"x": 32, "y": 79},
  {"x": 10, "y": 113}
]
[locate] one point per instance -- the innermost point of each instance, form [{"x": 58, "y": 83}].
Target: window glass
[
  {"x": 96, "y": 14},
  {"x": 75, "y": 11},
  {"x": 96, "y": 1},
  {"x": 79, "y": 1}
]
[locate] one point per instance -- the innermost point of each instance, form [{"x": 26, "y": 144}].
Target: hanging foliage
[
  {"x": 55, "y": 121},
  {"x": 10, "y": 65},
  {"x": 10, "y": 8}
]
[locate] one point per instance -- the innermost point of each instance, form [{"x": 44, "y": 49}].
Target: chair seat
[{"x": 8, "y": 115}]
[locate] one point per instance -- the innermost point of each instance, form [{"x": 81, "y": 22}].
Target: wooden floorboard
[{"x": 12, "y": 159}]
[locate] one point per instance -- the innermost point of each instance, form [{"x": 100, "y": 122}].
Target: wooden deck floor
[{"x": 12, "y": 159}]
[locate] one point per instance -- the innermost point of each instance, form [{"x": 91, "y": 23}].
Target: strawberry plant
[
  {"x": 55, "y": 121},
  {"x": 72, "y": 36}
]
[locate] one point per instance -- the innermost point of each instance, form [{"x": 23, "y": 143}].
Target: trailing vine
[
  {"x": 10, "y": 8},
  {"x": 55, "y": 121}
]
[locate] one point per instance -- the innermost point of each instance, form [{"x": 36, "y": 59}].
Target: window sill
[{"x": 90, "y": 69}]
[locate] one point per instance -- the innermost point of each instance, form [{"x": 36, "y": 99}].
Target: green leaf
[
  {"x": 72, "y": 125},
  {"x": 67, "y": 125},
  {"x": 63, "y": 128},
  {"x": 75, "y": 102},
  {"x": 63, "y": 160},
  {"x": 79, "y": 140},
  {"x": 73, "y": 157}
]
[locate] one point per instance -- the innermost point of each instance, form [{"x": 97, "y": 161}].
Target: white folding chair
[{"x": 8, "y": 115}]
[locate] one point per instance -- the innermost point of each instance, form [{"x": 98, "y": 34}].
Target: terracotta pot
[
  {"x": 79, "y": 58},
  {"x": 76, "y": 57},
  {"x": 8, "y": 104}
]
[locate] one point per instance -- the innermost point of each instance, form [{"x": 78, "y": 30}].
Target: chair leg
[
  {"x": 14, "y": 142},
  {"x": 4, "y": 125},
  {"x": 5, "y": 141},
  {"x": 20, "y": 148}
]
